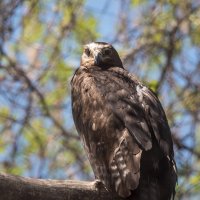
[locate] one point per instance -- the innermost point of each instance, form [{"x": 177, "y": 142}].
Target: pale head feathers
[{"x": 100, "y": 54}]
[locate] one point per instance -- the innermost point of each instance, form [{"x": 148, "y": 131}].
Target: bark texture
[{"x": 21, "y": 188}]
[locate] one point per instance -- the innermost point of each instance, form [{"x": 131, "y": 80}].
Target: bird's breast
[
  {"x": 87, "y": 101},
  {"x": 91, "y": 112}
]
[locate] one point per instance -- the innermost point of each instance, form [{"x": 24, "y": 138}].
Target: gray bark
[{"x": 21, "y": 188}]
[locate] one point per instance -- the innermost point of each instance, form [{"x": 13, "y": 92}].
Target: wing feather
[{"x": 141, "y": 111}]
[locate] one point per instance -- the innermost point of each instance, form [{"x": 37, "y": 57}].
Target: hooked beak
[{"x": 97, "y": 57}]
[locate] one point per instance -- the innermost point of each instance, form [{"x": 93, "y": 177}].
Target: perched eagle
[{"x": 123, "y": 127}]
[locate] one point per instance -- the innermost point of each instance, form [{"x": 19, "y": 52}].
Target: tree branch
[{"x": 20, "y": 188}]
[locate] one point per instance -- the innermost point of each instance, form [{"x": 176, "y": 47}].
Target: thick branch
[{"x": 20, "y": 188}]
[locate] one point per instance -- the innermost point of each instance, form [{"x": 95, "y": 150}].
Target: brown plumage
[{"x": 123, "y": 127}]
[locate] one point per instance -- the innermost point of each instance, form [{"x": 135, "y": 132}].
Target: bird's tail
[{"x": 125, "y": 166}]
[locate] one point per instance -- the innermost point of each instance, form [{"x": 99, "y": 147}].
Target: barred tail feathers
[{"x": 125, "y": 166}]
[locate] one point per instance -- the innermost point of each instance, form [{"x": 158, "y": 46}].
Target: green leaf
[
  {"x": 153, "y": 85},
  {"x": 137, "y": 2},
  {"x": 36, "y": 140},
  {"x": 85, "y": 30}
]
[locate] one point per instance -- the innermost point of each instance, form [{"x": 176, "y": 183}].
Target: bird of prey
[{"x": 123, "y": 127}]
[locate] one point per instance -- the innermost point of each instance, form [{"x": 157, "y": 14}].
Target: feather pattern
[{"x": 124, "y": 130}]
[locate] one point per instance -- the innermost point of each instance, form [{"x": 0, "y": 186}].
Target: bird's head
[{"x": 100, "y": 54}]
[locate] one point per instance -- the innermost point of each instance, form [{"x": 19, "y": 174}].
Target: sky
[{"x": 106, "y": 13}]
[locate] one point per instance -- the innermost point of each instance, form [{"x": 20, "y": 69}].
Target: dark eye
[
  {"x": 87, "y": 52},
  {"x": 107, "y": 51}
]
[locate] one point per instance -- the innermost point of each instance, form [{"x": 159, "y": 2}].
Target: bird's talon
[{"x": 98, "y": 184}]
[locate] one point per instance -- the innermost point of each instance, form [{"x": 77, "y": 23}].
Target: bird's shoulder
[{"x": 114, "y": 83}]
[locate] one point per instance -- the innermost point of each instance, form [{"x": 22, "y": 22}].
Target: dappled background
[{"x": 40, "y": 47}]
